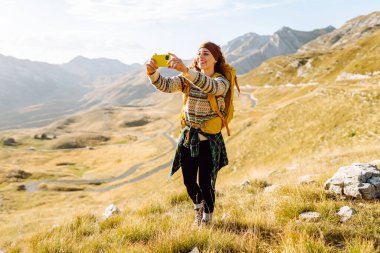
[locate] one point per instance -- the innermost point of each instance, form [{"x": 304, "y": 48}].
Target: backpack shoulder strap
[
  {"x": 215, "y": 108},
  {"x": 186, "y": 91}
]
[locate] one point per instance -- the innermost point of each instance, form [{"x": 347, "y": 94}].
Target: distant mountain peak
[
  {"x": 250, "y": 50},
  {"x": 285, "y": 29},
  {"x": 83, "y": 59},
  {"x": 79, "y": 58},
  {"x": 349, "y": 33},
  {"x": 91, "y": 69}
]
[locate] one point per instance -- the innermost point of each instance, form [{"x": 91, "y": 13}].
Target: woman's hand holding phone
[
  {"x": 177, "y": 64},
  {"x": 174, "y": 63},
  {"x": 151, "y": 67}
]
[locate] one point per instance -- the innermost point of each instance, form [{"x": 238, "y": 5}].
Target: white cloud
[
  {"x": 168, "y": 10},
  {"x": 61, "y": 46},
  {"x": 130, "y": 30}
]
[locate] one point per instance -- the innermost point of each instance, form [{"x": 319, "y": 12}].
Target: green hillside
[{"x": 362, "y": 58}]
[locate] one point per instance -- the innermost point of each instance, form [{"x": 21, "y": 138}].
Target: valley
[{"x": 301, "y": 115}]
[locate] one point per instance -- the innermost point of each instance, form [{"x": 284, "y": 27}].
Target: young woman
[{"x": 198, "y": 152}]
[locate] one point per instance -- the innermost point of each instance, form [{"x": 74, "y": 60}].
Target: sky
[{"x": 133, "y": 30}]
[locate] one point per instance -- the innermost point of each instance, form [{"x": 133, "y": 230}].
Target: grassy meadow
[{"x": 293, "y": 132}]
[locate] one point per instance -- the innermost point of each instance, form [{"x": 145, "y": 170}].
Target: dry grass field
[{"x": 292, "y": 132}]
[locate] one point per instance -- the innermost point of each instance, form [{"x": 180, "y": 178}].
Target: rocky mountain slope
[
  {"x": 35, "y": 93},
  {"x": 24, "y": 82},
  {"x": 348, "y": 34},
  {"x": 126, "y": 90},
  {"x": 250, "y": 50},
  {"x": 351, "y": 52}
]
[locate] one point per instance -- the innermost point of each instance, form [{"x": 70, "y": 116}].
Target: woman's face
[{"x": 205, "y": 59}]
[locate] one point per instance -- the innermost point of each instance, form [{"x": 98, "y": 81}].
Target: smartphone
[{"x": 162, "y": 59}]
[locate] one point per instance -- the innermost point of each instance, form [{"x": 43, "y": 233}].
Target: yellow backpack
[{"x": 215, "y": 125}]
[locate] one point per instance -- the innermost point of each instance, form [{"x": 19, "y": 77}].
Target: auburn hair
[{"x": 216, "y": 53}]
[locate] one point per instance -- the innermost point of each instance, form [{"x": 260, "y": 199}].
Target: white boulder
[
  {"x": 346, "y": 213},
  {"x": 357, "y": 180},
  {"x": 110, "y": 211}
]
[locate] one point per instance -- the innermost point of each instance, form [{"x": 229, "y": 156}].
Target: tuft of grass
[
  {"x": 80, "y": 141},
  {"x": 181, "y": 242},
  {"x": 111, "y": 223},
  {"x": 141, "y": 232},
  {"x": 304, "y": 193},
  {"x": 256, "y": 185},
  {"x": 179, "y": 198},
  {"x": 290, "y": 209},
  {"x": 301, "y": 242},
  {"x": 151, "y": 209},
  {"x": 14, "y": 250},
  {"x": 359, "y": 245},
  {"x": 84, "y": 225}
]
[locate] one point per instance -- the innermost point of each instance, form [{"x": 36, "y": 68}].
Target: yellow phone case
[{"x": 161, "y": 59}]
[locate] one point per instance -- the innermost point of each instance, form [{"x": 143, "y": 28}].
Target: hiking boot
[
  {"x": 206, "y": 219},
  {"x": 206, "y": 223},
  {"x": 198, "y": 214}
]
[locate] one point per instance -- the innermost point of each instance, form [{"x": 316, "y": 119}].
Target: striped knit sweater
[{"x": 197, "y": 108}]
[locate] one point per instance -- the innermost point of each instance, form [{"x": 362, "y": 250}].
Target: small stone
[
  {"x": 9, "y": 142},
  {"x": 376, "y": 163},
  {"x": 195, "y": 250},
  {"x": 310, "y": 216},
  {"x": 32, "y": 148},
  {"x": 225, "y": 216},
  {"x": 271, "y": 188},
  {"x": 305, "y": 179},
  {"x": 110, "y": 211},
  {"x": 244, "y": 184},
  {"x": 18, "y": 174},
  {"x": 346, "y": 213},
  {"x": 21, "y": 188},
  {"x": 90, "y": 148}
]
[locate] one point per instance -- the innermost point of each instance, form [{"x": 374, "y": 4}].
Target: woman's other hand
[
  {"x": 151, "y": 67},
  {"x": 177, "y": 64}
]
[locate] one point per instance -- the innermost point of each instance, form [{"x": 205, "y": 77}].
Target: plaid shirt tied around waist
[{"x": 217, "y": 147}]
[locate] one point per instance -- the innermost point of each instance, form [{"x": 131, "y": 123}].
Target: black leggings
[{"x": 203, "y": 191}]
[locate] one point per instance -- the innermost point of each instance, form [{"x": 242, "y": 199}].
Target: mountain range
[
  {"x": 250, "y": 50},
  {"x": 35, "y": 93},
  {"x": 351, "y": 52}
]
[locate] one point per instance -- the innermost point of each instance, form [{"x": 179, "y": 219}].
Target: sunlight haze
[{"x": 131, "y": 31}]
